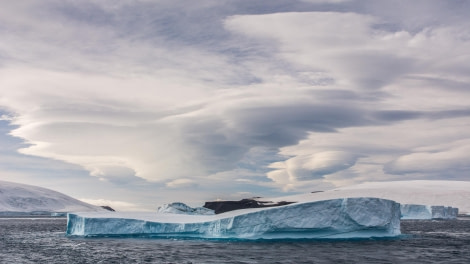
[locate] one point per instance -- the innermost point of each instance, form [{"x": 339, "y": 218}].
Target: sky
[{"x": 138, "y": 103}]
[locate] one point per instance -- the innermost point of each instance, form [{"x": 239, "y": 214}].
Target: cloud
[
  {"x": 362, "y": 55},
  {"x": 447, "y": 159},
  {"x": 325, "y": 1},
  {"x": 105, "y": 134},
  {"x": 5, "y": 118},
  {"x": 181, "y": 183},
  {"x": 411, "y": 149},
  {"x": 287, "y": 95},
  {"x": 317, "y": 165},
  {"x": 116, "y": 205},
  {"x": 350, "y": 48}
]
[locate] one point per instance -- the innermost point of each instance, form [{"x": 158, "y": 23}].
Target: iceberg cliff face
[
  {"x": 415, "y": 211},
  {"x": 338, "y": 218},
  {"x": 444, "y": 212},
  {"x": 418, "y": 211}
]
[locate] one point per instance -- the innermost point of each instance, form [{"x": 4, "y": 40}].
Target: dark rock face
[
  {"x": 108, "y": 208},
  {"x": 226, "y": 206}
]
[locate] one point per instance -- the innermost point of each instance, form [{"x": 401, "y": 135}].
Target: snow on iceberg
[
  {"x": 419, "y": 211},
  {"x": 337, "y": 218},
  {"x": 181, "y": 208}
]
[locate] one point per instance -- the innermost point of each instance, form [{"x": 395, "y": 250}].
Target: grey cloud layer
[{"x": 173, "y": 91}]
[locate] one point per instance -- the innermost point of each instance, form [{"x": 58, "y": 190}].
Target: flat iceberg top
[
  {"x": 170, "y": 217},
  {"x": 337, "y": 218}
]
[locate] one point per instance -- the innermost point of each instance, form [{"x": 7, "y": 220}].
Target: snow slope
[
  {"x": 22, "y": 198},
  {"x": 446, "y": 193},
  {"x": 337, "y": 218}
]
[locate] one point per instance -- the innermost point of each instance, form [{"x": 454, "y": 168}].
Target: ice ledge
[{"x": 337, "y": 218}]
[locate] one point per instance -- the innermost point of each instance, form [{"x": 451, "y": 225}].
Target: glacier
[
  {"x": 419, "y": 211},
  {"x": 335, "y": 218}
]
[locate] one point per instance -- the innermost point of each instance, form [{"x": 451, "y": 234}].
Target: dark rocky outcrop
[
  {"x": 108, "y": 208},
  {"x": 226, "y": 206}
]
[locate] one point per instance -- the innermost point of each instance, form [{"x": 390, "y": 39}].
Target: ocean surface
[{"x": 43, "y": 240}]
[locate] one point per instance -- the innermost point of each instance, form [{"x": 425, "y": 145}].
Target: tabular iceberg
[
  {"x": 337, "y": 218},
  {"x": 418, "y": 211}
]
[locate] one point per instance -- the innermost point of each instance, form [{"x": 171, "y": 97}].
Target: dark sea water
[{"x": 43, "y": 240}]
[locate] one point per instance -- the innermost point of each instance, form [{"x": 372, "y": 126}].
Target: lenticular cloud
[{"x": 342, "y": 92}]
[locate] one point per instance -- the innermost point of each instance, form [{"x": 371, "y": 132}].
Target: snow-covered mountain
[
  {"x": 22, "y": 198},
  {"x": 425, "y": 192}
]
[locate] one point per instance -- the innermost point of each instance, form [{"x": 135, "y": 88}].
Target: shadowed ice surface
[{"x": 43, "y": 240}]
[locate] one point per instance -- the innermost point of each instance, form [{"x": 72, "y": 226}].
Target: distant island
[{"x": 23, "y": 199}]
